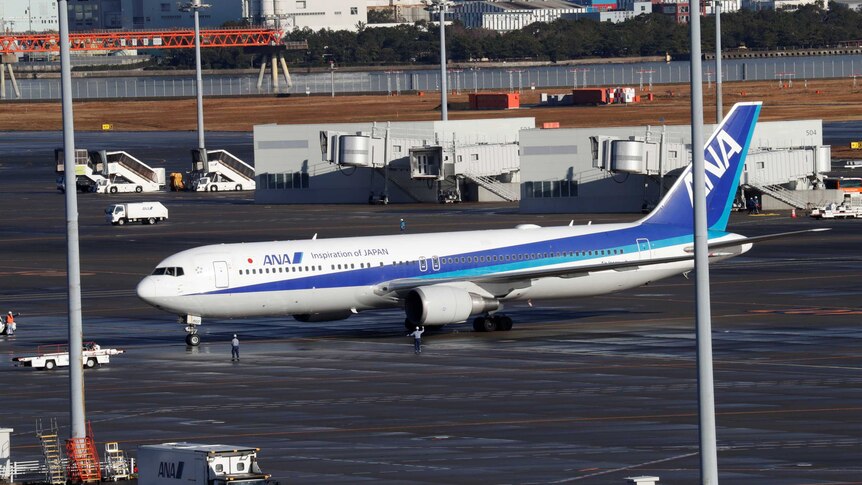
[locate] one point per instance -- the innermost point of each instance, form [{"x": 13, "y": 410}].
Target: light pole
[
  {"x": 719, "y": 109},
  {"x": 73, "y": 261},
  {"x": 440, "y": 7},
  {"x": 196, "y": 5}
]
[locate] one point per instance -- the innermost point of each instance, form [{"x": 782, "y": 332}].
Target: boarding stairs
[
  {"x": 55, "y": 471},
  {"x": 130, "y": 168},
  {"x": 491, "y": 184},
  {"x": 231, "y": 164},
  {"x": 83, "y": 465},
  {"x": 778, "y": 192}
]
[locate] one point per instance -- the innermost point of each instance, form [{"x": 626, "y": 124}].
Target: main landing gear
[{"x": 492, "y": 323}]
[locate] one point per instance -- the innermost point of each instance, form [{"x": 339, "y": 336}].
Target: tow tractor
[{"x": 52, "y": 356}]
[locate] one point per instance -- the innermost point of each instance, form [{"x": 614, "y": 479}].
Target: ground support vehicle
[
  {"x": 50, "y": 357},
  {"x": 198, "y": 464},
  {"x": 839, "y": 212},
  {"x": 143, "y": 212}
]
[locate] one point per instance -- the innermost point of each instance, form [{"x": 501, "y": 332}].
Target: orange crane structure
[{"x": 112, "y": 41}]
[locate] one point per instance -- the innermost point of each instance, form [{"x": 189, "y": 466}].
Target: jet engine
[
  {"x": 440, "y": 305},
  {"x": 322, "y": 317}
]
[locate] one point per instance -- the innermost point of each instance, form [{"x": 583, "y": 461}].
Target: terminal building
[{"x": 623, "y": 169}]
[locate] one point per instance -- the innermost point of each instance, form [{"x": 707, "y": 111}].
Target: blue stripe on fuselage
[{"x": 659, "y": 236}]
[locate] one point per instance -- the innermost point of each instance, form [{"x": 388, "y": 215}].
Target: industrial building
[
  {"x": 624, "y": 169},
  {"x": 400, "y": 162},
  {"x": 88, "y": 15}
]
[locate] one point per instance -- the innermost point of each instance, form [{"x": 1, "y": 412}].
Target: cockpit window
[{"x": 169, "y": 271}]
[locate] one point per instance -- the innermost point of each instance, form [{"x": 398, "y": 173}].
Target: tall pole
[
  {"x": 719, "y": 109},
  {"x": 73, "y": 260},
  {"x": 706, "y": 397},
  {"x": 441, "y": 5},
  {"x": 196, "y": 5}
]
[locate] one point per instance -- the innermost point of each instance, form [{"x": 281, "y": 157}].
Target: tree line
[{"x": 810, "y": 26}]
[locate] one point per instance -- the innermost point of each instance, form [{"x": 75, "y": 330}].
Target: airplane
[{"x": 449, "y": 277}]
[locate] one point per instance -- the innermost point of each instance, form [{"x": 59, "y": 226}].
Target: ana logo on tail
[{"x": 714, "y": 165}]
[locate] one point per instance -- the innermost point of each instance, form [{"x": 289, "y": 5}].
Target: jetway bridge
[
  {"x": 786, "y": 174},
  {"x": 416, "y": 162}
]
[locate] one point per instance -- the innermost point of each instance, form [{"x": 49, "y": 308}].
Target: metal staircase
[
  {"x": 83, "y": 463},
  {"x": 491, "y": 184},
  {"x": 778, "y": 192},
  {"x": 51, "y": 451}
]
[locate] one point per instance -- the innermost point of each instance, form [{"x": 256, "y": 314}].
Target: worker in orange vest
[{"x": 10, "y": 323}]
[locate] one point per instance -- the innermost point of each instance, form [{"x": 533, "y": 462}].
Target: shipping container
[
  {"x": 495, "y": 101},
  {"x": 589, "y": 96}
]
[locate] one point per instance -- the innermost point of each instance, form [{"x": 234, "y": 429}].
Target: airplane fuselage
[{"x": 344, "y": 275}]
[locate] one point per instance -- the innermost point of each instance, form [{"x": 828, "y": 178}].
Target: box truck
[
  {"x": 143, "y": 212},
  {"x": 198, "y": 464}
]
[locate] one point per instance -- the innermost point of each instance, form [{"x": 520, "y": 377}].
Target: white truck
[
  {"x": 143, "y": 212},
  {"x": 49, "y": 357},
  {"x": 198, "y": 464},
  {"x": 214, "y": 182},
  {"x": 850, "y": 208}
]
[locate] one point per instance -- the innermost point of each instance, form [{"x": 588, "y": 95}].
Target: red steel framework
[{"x": 151, "y": 39}]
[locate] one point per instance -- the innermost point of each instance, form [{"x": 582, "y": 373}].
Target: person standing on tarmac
[
  {"x": 10, "y": 323},
  {"x": 417, "y": 339},
  {"x": 234, "y": 348},
  {"x": 402, "y": 225}
]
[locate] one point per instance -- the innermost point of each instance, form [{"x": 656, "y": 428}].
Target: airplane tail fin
[{"x": 724, "y": 158}]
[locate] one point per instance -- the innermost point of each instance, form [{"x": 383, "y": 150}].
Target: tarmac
[{"x": 588, "y": 390}]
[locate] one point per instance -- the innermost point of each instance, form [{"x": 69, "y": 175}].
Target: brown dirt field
[{"x": 831, "y": 100}]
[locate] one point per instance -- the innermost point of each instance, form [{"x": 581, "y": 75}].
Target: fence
[{"x": 780, "y": 70}]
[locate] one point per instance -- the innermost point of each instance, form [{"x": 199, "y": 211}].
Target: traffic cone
[{"x": 793, "y": 213}]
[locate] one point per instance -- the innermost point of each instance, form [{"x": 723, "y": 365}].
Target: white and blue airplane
[{"x": 444, "y": 278}]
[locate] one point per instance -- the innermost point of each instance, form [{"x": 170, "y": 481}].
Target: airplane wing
[{"x": 520, "y": 279}]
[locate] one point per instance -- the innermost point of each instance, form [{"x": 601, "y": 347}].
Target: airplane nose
[{"x": 148, "y": 290}]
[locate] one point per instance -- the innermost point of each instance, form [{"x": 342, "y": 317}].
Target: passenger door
[
  {"x": 221, "y": 276},
  {"x": 644, "y": 249}
]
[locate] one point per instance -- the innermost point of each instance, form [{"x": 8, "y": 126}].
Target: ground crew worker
[
  {"x": 234, "y": 348},
  {"x": 10, "y": 323},
  {"x": 417, "y": 339},
  {"x": 402, "y": 225}
]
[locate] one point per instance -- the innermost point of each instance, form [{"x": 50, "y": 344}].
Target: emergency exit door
[{"x": 220, "y": 271}]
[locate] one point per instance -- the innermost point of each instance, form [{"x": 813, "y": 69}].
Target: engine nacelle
[
  {"x": 322, "y": 317},
  {"x": 440, "y": 305}
]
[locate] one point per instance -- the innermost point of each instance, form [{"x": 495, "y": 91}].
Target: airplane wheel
[
  {"x": 490, "y": 325},
  {"x": 193, "y": 339},
  {"x": 90, "y": 363},
  {"x": 505, "y": 324}
]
